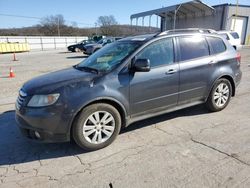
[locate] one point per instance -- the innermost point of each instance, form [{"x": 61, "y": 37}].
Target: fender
[{"x": 229, "y": 77}]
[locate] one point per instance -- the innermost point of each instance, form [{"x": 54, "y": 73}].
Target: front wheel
[
  {"x": 97, "y": 126},
  {"x": 220, "y": 95}
]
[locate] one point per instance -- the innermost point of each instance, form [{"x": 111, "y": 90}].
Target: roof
[
  {"x": 176, "y": 32},
  {"x": 183, "y": 9},
  {"x": 139, "y": 38},
  {"x": 232, "y": 5}
]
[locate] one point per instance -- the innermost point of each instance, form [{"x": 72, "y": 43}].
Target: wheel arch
[
  {"x": 119, "y": 106},
  {"x": 229, "y": 78}
]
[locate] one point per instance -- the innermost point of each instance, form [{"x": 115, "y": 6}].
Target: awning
[{"x": 193, "y": 8}]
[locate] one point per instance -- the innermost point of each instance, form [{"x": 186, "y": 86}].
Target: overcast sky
[{"x": 83, "y": 12}]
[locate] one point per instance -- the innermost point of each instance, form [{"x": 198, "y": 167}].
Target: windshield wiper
[{"x": 88, "y": 69}]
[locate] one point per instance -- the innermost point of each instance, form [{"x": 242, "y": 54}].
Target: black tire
[
  {"x": 96, "y": 50},
  {"x": 83, "y": 117},
  {"x": 211, "y": 104}
]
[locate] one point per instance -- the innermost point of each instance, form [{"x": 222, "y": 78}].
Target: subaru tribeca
[{"x": 126, "y": 81}]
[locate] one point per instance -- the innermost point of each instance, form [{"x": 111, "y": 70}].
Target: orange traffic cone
[
  {"x": 11, "y": 75},
  {"x": 14, "y": 57}
]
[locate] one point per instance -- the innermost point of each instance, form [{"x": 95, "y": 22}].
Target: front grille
[{"x": 20, "y": 99}]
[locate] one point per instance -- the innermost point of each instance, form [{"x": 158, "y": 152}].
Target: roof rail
[{"x": 187, "y": 30}]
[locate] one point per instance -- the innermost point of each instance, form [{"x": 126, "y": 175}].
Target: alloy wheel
[
  {"x": 221, "y": 95},
  {"x": 98, "y": 127}
]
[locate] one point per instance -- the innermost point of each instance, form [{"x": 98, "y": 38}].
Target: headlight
[{"x": 43, "y": 100}]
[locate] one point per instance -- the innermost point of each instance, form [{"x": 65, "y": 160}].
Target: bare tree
[
  {"x": 51, "y": 25},
  {"x": 108, "y": 25}
]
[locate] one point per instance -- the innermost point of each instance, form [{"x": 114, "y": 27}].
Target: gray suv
[{"x": 126, "y": 81}]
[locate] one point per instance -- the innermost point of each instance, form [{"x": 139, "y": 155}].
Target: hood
[
  {"x": 49, "y": 82},
  {"x": 70, "y": 46}
]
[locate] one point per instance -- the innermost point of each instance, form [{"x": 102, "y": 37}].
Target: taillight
[{"x": 238, "y": 58}]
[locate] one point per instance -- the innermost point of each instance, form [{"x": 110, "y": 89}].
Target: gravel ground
[{"x": 187, "y": 148}]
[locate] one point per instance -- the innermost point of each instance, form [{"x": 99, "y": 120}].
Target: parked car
[
  {"x": 91, "y": 48},
  {"x": 232, "y": 37},
  {"x": 126, "y": 81},
  {"x": 79, "y": 46}
]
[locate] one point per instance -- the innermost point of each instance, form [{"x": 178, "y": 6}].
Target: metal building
[{"x": 196, "y": 14}]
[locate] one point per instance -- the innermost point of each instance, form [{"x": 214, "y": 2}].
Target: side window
[
  {"x": 159, "y": 53},
  {"x": 192, "y": 47},
  {"x": 217, "y": 45}
]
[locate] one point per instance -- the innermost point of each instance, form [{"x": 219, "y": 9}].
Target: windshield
[
  {"x": 109, "y": 56},
  {"x": 101, "y": 41},
  {"x": 83, "y": 41}
]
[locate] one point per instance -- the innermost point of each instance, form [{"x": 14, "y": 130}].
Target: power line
[
  {"x": 39, "y": 18},
  {"x": 19, "y": 16}
]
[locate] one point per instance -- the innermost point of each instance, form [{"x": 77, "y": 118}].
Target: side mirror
[{"x": 141, "y": 65}]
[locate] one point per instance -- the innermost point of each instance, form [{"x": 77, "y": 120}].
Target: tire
[
  {"x": 93, "y": 134},
  {"x": 96, "y": 50},
  {"x": 77, "y": 50},
  {"x": 220, "y": 95}
]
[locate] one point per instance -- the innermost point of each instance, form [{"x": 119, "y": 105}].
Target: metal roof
[{"x": 191, "y": 8}]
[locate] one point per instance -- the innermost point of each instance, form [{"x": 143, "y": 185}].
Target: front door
[{"x": 157, "y": 89}]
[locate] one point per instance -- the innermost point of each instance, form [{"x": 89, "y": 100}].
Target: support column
[{"x": 150, "y": 22}]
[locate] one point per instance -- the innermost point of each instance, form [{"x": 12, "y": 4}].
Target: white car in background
[{"x": 232, "y": 37}]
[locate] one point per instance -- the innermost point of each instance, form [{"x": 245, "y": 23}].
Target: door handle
[{"x": 171, "y": 71}]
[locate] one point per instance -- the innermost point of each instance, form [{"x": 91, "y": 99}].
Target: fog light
[{"x": 37, "y": 134}]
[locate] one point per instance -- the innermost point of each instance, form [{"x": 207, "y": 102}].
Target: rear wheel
[
  {"x": 220, "y": 95},
  {"x": 97, "y": 126}
]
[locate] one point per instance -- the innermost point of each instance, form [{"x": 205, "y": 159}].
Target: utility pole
[
  {"x": 58, "y": 26},
  {"x": 95, "y": 28},
  {"x": 175, "y": 14}
]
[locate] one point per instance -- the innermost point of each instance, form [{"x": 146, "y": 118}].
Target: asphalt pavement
[{"x": 187, "y": 148}]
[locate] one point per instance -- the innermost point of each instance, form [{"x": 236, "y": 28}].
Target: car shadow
[
  {"x": 66, "y": 52},
  {"x": 77, "y": 57},
  {"x": 191, "y": 111},
  {"x": 15, "y": 149}
]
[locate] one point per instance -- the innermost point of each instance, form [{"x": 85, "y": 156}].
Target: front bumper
[
  {"x": 88, "y": 51},
  {"x": 72, "y": 49},
  {"x": 44, "y": 124}
]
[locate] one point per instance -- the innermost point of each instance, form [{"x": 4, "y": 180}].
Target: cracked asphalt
[{"x": 186, "y": 148}]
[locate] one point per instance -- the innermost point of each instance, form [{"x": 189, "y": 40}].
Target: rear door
[{"x": 195, "y": 68}]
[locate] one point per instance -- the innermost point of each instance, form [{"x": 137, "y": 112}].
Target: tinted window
[
  {"x": 193, "y": 47},
  {"x": 235, "y": 35},
  {"x": 159, "y": 53},
  {"x": 217, "y": 45}
]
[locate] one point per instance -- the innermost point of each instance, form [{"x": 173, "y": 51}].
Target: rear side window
[
  {"x": 217, "y": 45},
  {"x": 192, "y": 47},
  {"x": 235, "y": 35}
]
